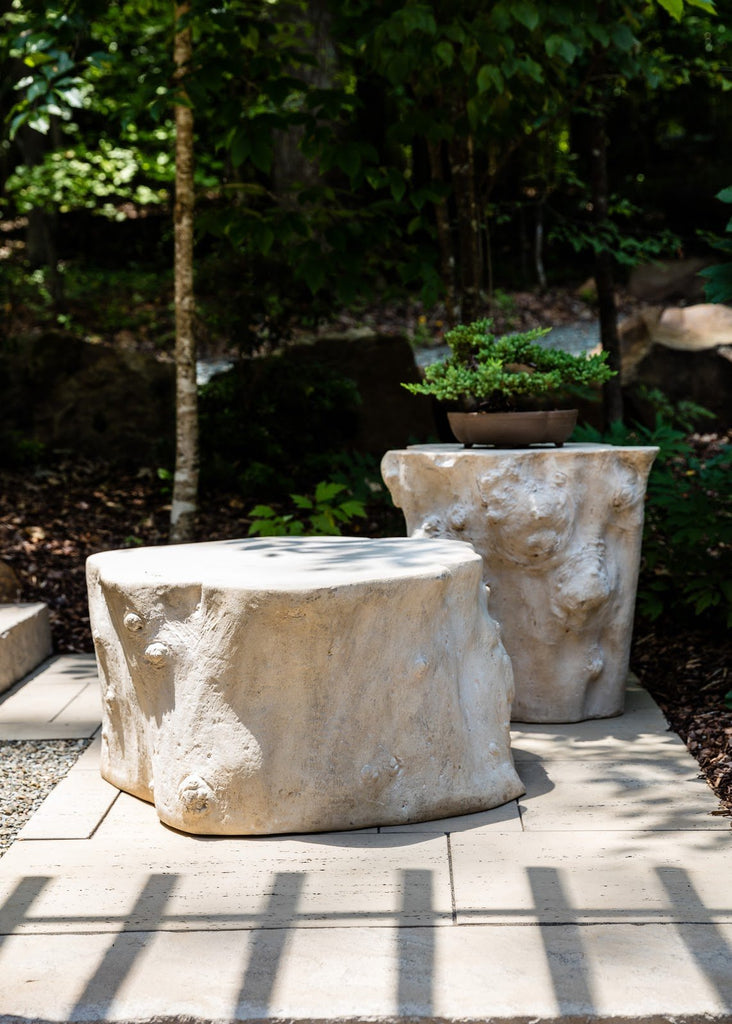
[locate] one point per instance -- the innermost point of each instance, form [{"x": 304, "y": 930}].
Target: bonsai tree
[{"x": 489, "y": 374}]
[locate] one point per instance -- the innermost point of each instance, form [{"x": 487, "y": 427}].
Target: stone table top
[
  {"x": 567, "y": 450},
  {"x": 284, "y": 563}
]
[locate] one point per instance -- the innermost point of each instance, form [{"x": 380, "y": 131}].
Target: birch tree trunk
[{"x": 185, "y": 480}]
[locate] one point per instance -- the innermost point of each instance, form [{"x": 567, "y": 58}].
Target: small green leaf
[
  {"x": 348, "y": 159},
  {"x": 725, "y": 195},
  {"x": 674, "y": 7},
  {"x": 703, "y": 5},
  {"x": 719, "y": 282},
  {"x": 623, "y": 38},
  {"x": 240, "y": 148},
  {"x": 525, "y": 13},
  {"x": 556, "y": 44},
  {"x": 351, "y": 509},
  {"x": 489, "y": 75},
  {"x": 445, "y": 52},
  {"x": 323, "y": 524},
  {"x": 262, "y": 154},
  {"x": 397, "y": 184},
  {"x": 326, "y": 490}
]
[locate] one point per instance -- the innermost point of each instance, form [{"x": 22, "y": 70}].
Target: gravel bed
[{"x": 29, "y": 770}]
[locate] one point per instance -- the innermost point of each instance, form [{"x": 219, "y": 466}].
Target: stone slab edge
[
  {"x": 700, "y": 1018},
  {"x": 24, "y": 643}
]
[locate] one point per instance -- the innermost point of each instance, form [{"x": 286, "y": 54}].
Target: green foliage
[
  {"x": 687, "y": 541},
  {"x": 53, "y": 85},
  {"x": 718, "y": 287},
  {"x": 272, "y": 425},
  {"x": 619, "y": 234},
  {"x": 324, "y": 513},
  {"x": 78, "y": 178},
  {"x": 491, "y": 373}
]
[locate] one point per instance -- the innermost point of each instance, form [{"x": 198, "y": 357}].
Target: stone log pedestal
[
  {"x": 299, "y": 685},
  {"x": 560, "y": 533}
]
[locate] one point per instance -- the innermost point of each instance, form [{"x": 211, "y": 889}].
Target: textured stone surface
[
  {"x": 560, "y": 533},
  {"x": 25, "y": 640},
  {"x": 294, "y": 685}
]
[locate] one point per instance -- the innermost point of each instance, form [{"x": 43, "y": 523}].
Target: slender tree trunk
[
  {"x": 444, "y": 236},
  {"x": 468, "y": 222},
  {"x": 604, "y": 276},
  {"x": 292, "y": 171},
  {"x": 185, "y": 480},
  {"x": 539, "y": 245}
]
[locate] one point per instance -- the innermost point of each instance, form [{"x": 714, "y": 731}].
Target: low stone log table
[
  {"x": 301, "y": 684},
  {"x": 560, "y": 533}
]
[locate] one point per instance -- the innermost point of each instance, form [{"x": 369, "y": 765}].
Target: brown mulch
[
  {"x": 688, "y": 673},
  {"x": 52, "y": 520}
]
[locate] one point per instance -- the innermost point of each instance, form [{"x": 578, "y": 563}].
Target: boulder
[
  {"x": 669, "y": 281},
  {"x": 99, "y": 401},
  {"x": 377, "y": 363},
  {"x": 684, "y": 352}
]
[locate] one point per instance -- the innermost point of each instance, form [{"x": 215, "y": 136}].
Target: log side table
[
  {"x": 560, "y": 533},
  {"x": 301, "y": 684}
]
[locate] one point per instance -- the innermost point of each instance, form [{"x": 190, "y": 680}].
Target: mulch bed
[{"x": 51, "y": 520}]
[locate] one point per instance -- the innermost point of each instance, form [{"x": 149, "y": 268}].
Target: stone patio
[{"x": 603, "y": 893}]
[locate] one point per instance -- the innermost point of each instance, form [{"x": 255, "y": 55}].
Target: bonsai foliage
[{"x": 490, "y": 374}]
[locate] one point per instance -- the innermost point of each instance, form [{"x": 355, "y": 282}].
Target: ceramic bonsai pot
[{"x": 513, "y": 429}]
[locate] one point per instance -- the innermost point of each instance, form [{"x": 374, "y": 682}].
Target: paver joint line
[{"x": 452, "y": 878}]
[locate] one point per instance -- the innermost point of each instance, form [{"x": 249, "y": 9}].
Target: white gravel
[{"x": 29, "y": 770}]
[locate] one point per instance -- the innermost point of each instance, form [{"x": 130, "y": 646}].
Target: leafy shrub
[
  {"x": 718, "y": 287},
  {"x": 325, "y": 513},
  {"x": 272, "y": 426},
  {"x": 687, "y": 540},
  {"x": 492, "y": 373}
]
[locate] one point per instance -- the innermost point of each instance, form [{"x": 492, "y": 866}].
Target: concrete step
[{"x": 25, "y": 640}]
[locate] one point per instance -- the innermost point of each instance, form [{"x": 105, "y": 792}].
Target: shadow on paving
[{"x": 269, "y": 930}]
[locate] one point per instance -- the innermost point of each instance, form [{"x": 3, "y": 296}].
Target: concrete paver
[
  {"x": 603, "y": 893},
  {"x": 592, "y": 877},
  {"x": 635, "y": 794},
  {"x": 61, "y": 701}
]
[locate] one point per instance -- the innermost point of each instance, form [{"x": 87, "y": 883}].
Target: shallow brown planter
[{"x": 513, "y": 429}]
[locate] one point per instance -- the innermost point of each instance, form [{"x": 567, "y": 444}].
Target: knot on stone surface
[
  {"x": 194, "y": 793},
  {"x": 157, "y": 653},
  {"x": 431, "y": 527},
  {"x": 369, "y": 774},
  {"x": 583, "y": 584},
  {"x": 595, "y": 662},
  {"x": 459, "y": 518},
  {"x": 133, "y": 622}
]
